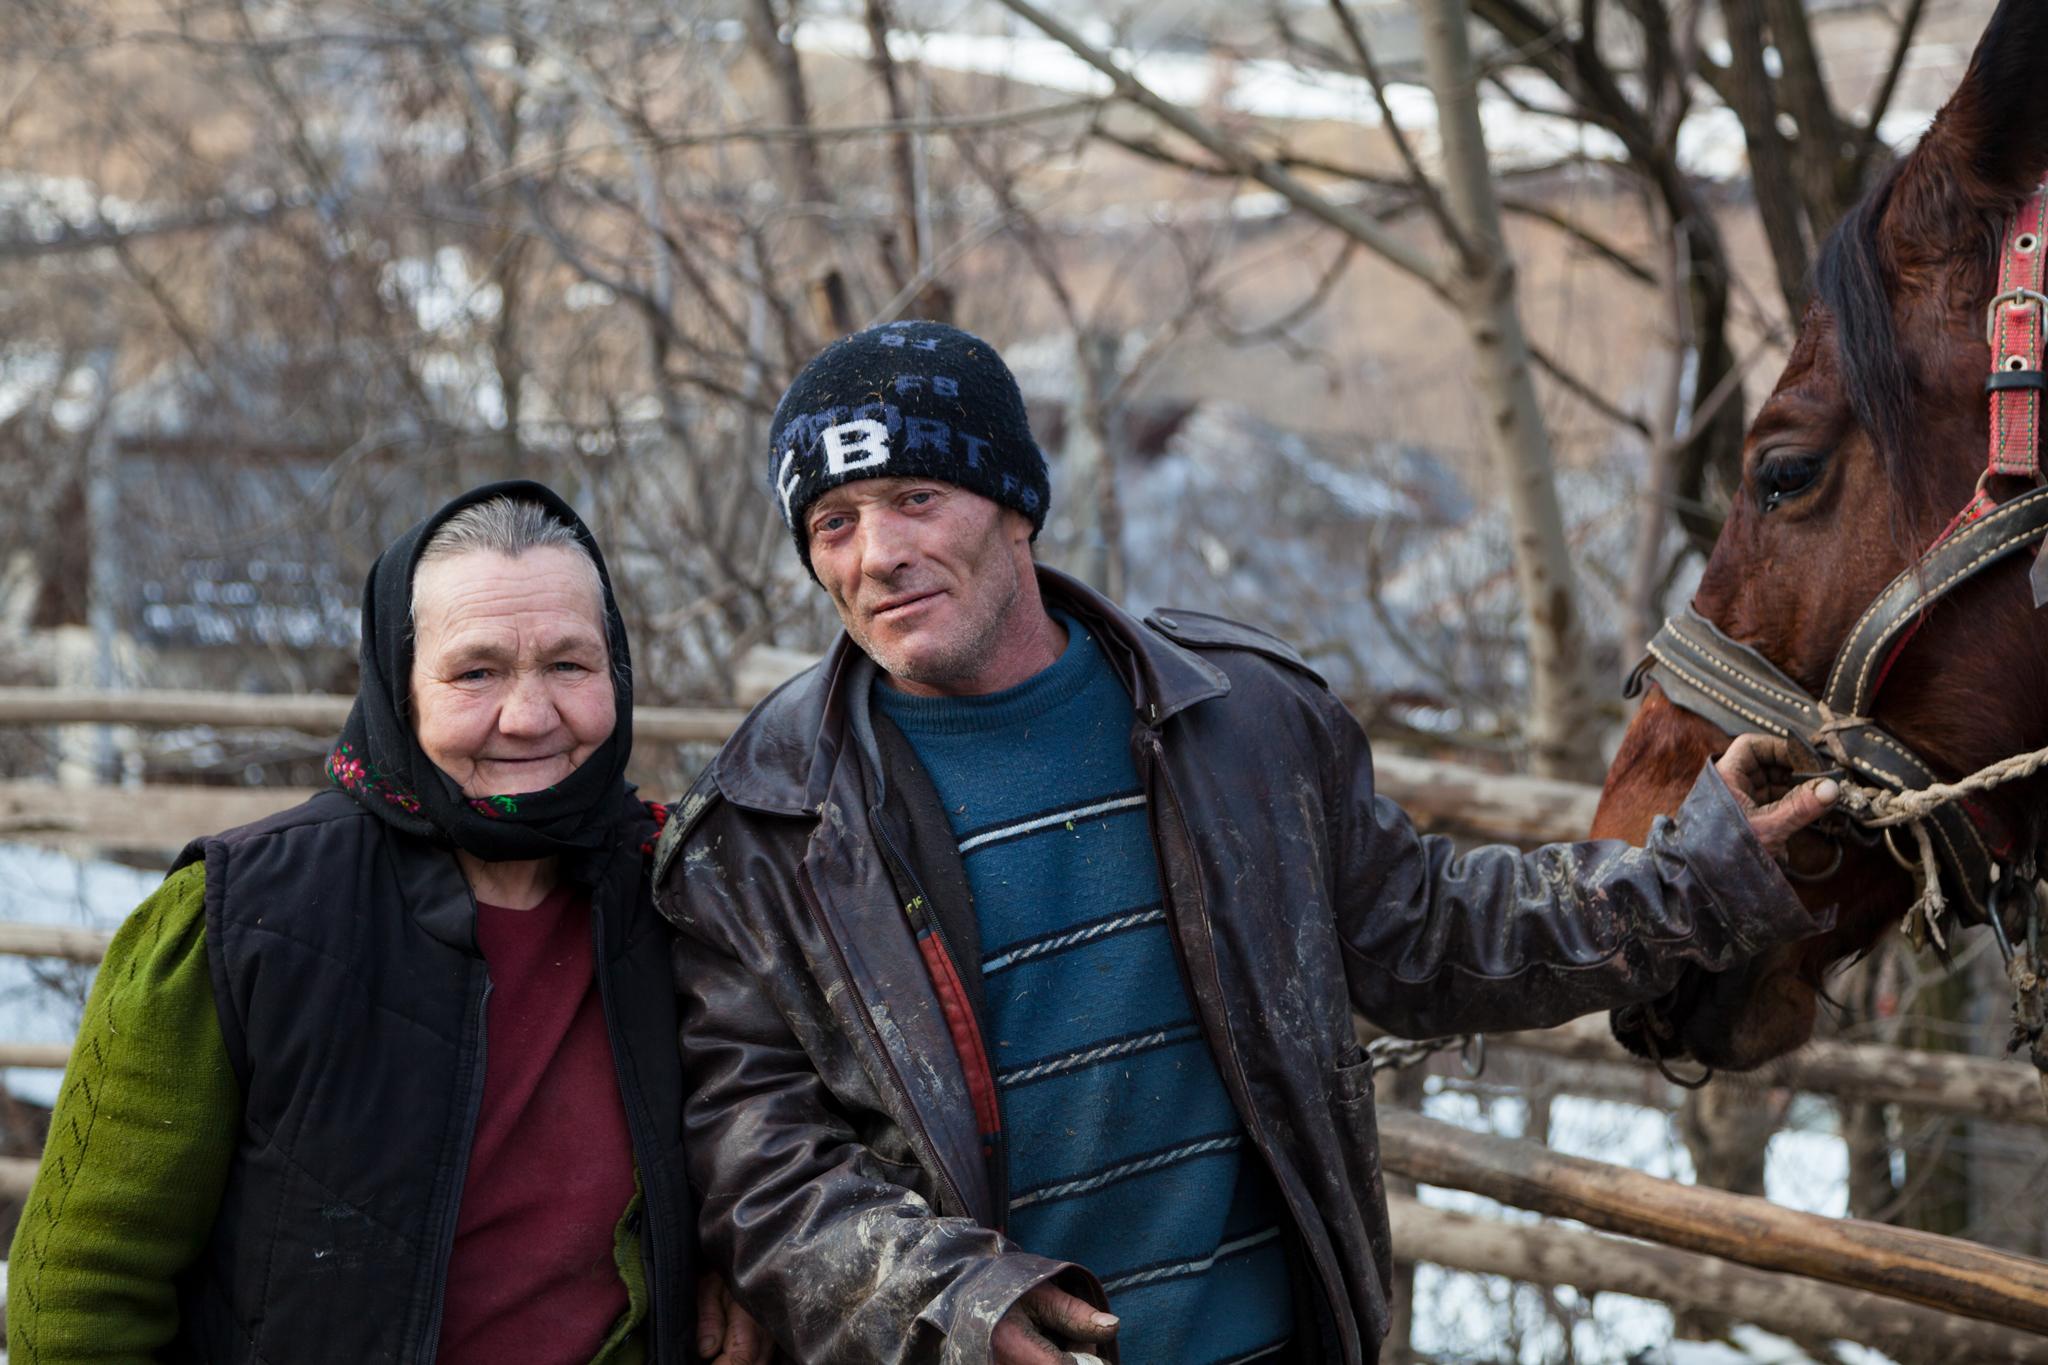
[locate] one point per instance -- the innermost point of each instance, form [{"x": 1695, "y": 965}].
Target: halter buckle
[{"x": 2014, "y": 296}]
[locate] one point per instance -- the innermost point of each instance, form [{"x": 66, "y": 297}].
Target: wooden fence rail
[
  {"x": 313, "y": 713},
  {"x": 159, "y": 817},
  {"x": 17, "y": 1176},
  {"x": 1937, "y": 1082},
  {"x": 163, "y": 816},
  {"x": 1595, "y": 1263},
  {"x": 53, "y": 940},
  {"x": 1943, "y": 1273},
  {"x": 1439, "y": 795}
]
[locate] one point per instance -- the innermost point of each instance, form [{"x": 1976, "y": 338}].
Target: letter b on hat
[{"x": 870, "y": 442}]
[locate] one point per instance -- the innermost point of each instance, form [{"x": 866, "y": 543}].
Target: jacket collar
[{"x": 782, "y": 758}]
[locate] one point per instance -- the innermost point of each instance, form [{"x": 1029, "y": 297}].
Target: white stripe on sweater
[
  {"x": 1047, "y": 821},
  {"x": 1195, "y": 1267},
  {"x": 1024, "y": 952},
  {"x": 1122, "y": 1047},
  {"x": 1125, "y": 1170}
]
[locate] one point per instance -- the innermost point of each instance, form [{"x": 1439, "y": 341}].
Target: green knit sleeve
[{"x": 138, "y": 1153}]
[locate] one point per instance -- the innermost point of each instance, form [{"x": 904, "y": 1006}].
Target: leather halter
[{"x": 1703, "y": 670}]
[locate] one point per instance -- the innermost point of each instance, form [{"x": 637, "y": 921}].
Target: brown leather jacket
[{"x": 830, "y": 1031}]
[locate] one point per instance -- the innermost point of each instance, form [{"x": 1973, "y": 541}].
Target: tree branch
[
  {"x": 1425, "y": 189},
  {"x": 1583, "y": 235},
  {"x": 214, "y": 214},
  {"x": 1233, "y": 153},
  {"x": 1573, "y": 384},
  {"x": 1902, "y": 45}
]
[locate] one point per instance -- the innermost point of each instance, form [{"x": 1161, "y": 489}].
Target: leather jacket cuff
[
  {"x": 1757, "y": 902},
  {"x": 973, "y": 1305}
]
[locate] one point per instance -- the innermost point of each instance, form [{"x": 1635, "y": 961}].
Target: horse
[{"x": 1853, "y": 601}]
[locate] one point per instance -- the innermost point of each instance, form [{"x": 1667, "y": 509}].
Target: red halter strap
[{"x": 2013, "y": 326}]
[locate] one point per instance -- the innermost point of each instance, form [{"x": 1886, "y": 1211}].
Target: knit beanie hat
[{"x": 905, "y": 400}]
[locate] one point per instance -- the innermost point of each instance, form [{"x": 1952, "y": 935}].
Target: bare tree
[
  {"x": 1480, "y": 287},
  {"x": 1563, "y": 741}
]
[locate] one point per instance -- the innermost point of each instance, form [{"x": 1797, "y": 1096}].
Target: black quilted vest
[{"x": 351, "y": 998}]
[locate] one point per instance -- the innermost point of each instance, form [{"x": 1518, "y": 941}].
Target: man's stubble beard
[{"x": 958, "y": 660}]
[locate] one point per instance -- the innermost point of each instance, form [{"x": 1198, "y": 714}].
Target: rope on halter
[{"x": 1878, "y": 808}]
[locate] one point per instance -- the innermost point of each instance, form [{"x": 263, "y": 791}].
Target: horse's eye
[{"x": 1786, "y": 477}]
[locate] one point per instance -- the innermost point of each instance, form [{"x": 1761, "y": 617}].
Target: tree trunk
[
  {"x": 1778, "y": 199},
  {"x": 1660, "y": 460},
  {"x": 1564, "y": 740},
  {"x": 1096, "y": 512},
  {"x": 1937, "y": 1170},
  {"x": 831, "y": 302},
  {"x": 1825, "y": 153},
  {"x": 1400, "y": 1088},
  {"x": 1726, "y": 1131}
]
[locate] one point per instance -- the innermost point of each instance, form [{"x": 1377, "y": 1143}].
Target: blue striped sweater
[{"x": 1125, "y": 1153}]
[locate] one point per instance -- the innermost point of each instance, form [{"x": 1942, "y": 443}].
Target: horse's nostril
[{"x": 1631, "y": 1026}]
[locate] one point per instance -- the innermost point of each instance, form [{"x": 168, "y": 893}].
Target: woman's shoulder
[
  {"x": 289, "y": 857},
  {"x": 332, "y": 807},
  {"x": 168, "y": 929}
]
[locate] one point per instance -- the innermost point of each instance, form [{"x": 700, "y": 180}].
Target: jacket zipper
[
  {"x": 998, "y": 1164},
  {"x": 651, "y": 1172},
  {"x": 1240, "y": 1084},
  {"x": 428, "y": 1345},
  {"x": 927, "y": 1150}
]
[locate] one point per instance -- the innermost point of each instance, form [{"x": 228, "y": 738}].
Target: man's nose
[{"x": 884, "y": 548}]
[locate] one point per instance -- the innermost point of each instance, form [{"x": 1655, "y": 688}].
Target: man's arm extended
[{"x": 1438, "y": 942}]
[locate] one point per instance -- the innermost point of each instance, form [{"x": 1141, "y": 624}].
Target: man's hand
[
  {"x": 1031, "y": 1332},
  {"x": 726, "y": 1333},
  {"x": 1758, "y": 770}
]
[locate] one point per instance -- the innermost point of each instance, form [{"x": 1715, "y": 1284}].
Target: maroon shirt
[{"x": 531, "y": 1277}]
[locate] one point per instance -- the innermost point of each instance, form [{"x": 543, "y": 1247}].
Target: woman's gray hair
[{"x": 505, "y": 526}]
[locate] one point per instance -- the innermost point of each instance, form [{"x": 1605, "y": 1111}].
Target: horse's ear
[{"x": 1988, "y": 147}]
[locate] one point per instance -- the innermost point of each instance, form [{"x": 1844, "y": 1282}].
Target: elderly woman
[{"x": 392, "y": 1076}]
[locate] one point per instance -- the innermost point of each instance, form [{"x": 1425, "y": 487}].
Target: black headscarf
[{"x": 380, "y": 763}]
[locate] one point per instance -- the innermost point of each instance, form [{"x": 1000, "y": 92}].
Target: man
[{"x": 1021, "y": 940}]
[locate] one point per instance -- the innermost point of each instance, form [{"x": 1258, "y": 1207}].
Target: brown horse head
[{"x": 1872, "y": 440}]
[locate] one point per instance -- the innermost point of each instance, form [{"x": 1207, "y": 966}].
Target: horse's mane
[
  {"x": 1849, "y": 281},
  {"x": 1852, "y": 280}
]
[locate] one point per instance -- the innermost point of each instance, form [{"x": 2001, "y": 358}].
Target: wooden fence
[
  {"x": 1785, "y": 1271},
  {"x": 1437, "y": 795},
  {"x": 1793, "y": 1305},
  {"x": 1943, "y": 1273}
]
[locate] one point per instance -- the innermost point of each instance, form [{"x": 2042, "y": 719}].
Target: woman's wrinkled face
[{"x": 511, "y": 676}]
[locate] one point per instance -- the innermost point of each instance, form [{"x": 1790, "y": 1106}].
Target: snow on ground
[
  {"x": 40, "y": 998},
  {"x": 1710, "y": 143}
]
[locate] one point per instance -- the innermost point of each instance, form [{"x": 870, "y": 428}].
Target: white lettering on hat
[
  {"x": 873, "y": 442},
  {"x": 786, "y": 480}
]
